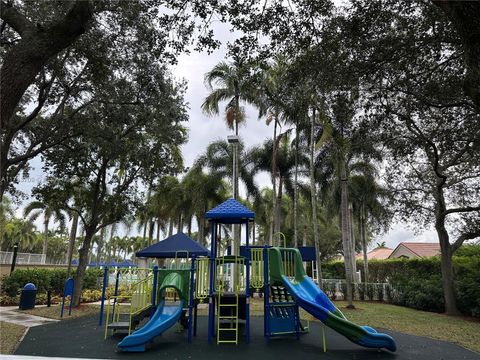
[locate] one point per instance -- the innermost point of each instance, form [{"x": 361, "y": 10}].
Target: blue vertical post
[
  {"x": 190, "y": 301},
  {"x": 104, "y": 288},
  {"x": 154, "y": 290},
  {"x": 247, "y": 286},
  {"x": 266, "y": 295},
  {"x": 211, "y": 308},
  {"x": 115, "y": 294}
]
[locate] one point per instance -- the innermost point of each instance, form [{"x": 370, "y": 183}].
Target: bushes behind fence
[
  {"x": 45, "y": 279},
  {"x": 417, "y": 283}
]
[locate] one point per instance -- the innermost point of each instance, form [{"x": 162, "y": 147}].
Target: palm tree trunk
[
  {"x": 112, "y": 246},
  {"x": 295, "y": 190},
  {"x": 346, "y": 234},
  {"x": 100, "y": 245},
  {"x": 151, "y": 229},
  {"x": 353, "y": 254},
  {"x": 278, "y": 215},
  {"x": 364, "y": 243},
  {"x": 144, "y": 238},
  {"x": 270, "y": 234},
  {"x": 313, "y": 191},
  {"x": 71, "y": 243},
  {"x": 45, "y": 236},
  {"x": 170, "y": 227},
  {"x": 158, "y": 229}
]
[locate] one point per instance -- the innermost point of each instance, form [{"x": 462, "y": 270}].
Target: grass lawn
[
  {"x": 10, "y": 335},
  {"x": 458, "y": 330},
  {"x": 53, "y": 312}
]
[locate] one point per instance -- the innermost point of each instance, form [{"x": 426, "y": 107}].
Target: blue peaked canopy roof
[
  {"x": 230, "y": 212},
  {"x": 178, "y": 244},
  {"x": 127, "y": 263}
]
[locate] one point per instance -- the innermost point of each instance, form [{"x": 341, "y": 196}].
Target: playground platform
[{"x": 83, "y": 338}]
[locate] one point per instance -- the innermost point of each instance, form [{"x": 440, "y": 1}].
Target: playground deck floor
[{"x": 83, "y": 338}]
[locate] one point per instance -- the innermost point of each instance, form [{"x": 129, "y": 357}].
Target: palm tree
[
  {"x": 284, "y": 165},
  {"x": 35, "y": 209},
  {"x": 232, "y": 83},
  {"x": 217, "y": 161},
  {"x": 21, "y": 232}
]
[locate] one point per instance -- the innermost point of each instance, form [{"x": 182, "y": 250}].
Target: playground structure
[{"x": 225, "y": 278}]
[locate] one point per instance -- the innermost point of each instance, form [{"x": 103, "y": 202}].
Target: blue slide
[
  {"x": 308, "y": 296},
  {"x": 164, "y": 318}
]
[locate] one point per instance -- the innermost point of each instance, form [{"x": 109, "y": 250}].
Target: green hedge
[
  {"x": 417, "y": 283},
  {"x": 45, "y": 279}
]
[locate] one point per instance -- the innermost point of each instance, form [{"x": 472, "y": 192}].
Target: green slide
[{"x": 308, "y": 296}]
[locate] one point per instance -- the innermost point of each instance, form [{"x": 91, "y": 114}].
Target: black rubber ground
[{"x": 83, "y": 338}]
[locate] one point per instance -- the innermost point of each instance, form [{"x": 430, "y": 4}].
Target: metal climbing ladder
[
  {"x": 228, "y": 310},
  {"x": 231, "y": 326}
]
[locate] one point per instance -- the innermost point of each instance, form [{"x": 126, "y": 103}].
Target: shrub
[
  {"x": 417, "y": 282},
  {"x": 46, "y": 279}
]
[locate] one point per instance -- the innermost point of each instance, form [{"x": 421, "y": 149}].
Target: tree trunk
[
  {"x": 346, "y": 234},
  {"x": 364, "y": 243},
  {"x": 170, "y": 227},
  {"x": 295, "y": 191},
  {"x": 144, "y": 238},
  {"x": 353, "y": 254},
  {"x": 189, "y": 226},
  {"x": 304, "y": 240},
  {"x": 71, "y": 243},
  {"x": 100, "y": 245},
  {"x": 45, "y": 236},
  {"x": 270, "y": 234},
  {"x": 278, "y": 215},
  {"x": 158, "y": 229},
  {"x": 151, "y": 229},
  {"x": 112, "y": 246},
  {"x": 180, "y": 224},
  {"x": 82, "y": 263},
  {"x": 447, "y": 268},
  {"x": 313, "y": 192}
]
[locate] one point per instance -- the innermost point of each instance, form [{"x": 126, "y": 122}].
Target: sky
[{"x": 204, "y": 129}]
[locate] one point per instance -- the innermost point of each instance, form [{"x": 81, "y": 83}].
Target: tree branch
[
  {"x": 464, "y": 237},
  {"x": 463, "y": 209},
  {"x": 14, "y": 18}
]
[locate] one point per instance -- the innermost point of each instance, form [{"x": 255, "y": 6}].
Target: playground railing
[
  {"x": 230, "y": 274},
  {"x": 202, "y": 271},
  {"x": 138, "y": 300},
  {"x": 257, "y": 276}
]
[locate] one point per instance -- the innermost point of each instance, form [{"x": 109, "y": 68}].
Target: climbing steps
[{"x": 227, "y": 320}]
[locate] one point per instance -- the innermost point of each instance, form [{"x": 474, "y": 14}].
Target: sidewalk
[{"x": 8, "y": 314}]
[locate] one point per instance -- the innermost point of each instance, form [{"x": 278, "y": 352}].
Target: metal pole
[
  {"x": 102, "y": 304},
  {"x": 14, "y": 259},
  {"x": 247, "y": 286},
  {"x": 266, "y": 304},
  {"x": 154, "y": 290},
  {"x": 190, "y": 304},
  {"x": 211, "y": 308}
]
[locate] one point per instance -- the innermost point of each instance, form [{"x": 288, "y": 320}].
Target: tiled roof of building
[
  {"x": 377, "y": 254},
  {"x": 423, "y": 249}
]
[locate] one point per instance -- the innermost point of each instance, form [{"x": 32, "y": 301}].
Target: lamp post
[
  {"x": 14, "y": 257},
  {"x": 233, "y": 139}
]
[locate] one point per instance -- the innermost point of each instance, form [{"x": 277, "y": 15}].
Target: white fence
[
  {"x": 336, "y": 289},
  {"x": 6, "y": 257}
]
